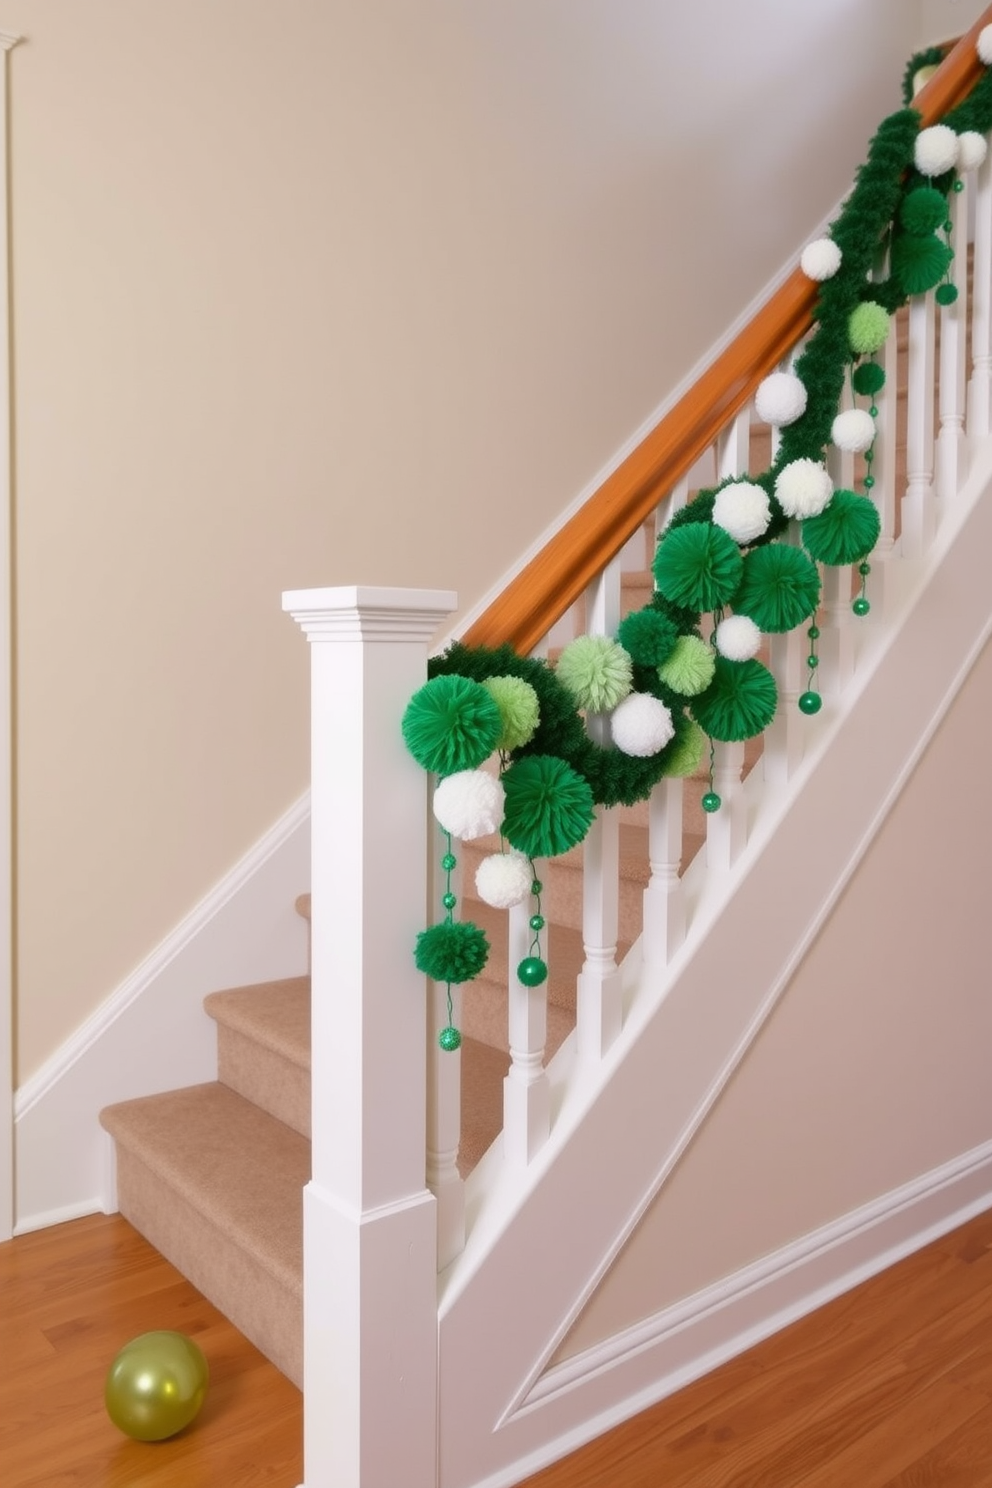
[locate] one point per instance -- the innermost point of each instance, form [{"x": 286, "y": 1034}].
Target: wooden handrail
[{"x": 553, "y": 579}]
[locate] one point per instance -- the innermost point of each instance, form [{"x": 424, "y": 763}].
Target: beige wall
[
  {"x": 942, "y": 20},
  {"x": 319, "y": 293},
  {"x": 872, "y": 1070}
]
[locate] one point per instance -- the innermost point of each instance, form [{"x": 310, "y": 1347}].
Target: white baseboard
[
  {"x": 152, "y": 1033},
  {"x": 614, "y": 1380}
]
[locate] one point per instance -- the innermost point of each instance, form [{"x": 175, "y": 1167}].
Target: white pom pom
[
  {"x": 983, "y": 45},
  {"x": 738, "y": 638},
  {"x": 780, "y": 399},
  {"x": 503, "y": 879},
  {"x": 820, "y": 259},
  {"x": 743, "y": 510},
  {"x": 972, "y": 149},
  {"x": 936, "y": 150},
  {"x": 803, "y": 488},
  {"x": 469, "y": 804},
  {"x": 853, "y": 430},
  {"x": 641, "y": 725}
]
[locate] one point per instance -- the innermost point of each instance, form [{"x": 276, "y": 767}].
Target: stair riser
[{"x": 276, "y": 1085}]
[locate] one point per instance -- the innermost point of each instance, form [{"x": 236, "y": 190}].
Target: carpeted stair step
[
  {"x": 216, "y": 1185},
  {"x": 263, "y": 1046}
]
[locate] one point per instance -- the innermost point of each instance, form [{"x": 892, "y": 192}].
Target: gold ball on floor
[{"x": 156, "y": 1385}]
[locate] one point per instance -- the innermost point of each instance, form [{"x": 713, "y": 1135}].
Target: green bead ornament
[
  {"x": 448, "y": 862},
  {"x": 449, "y": 900},
  {"x": 711, "y": 802},
  {"x": 532, "y": 971},
  {"x": 812, "y": 661},
  {"x": 864, "y": 569},
  {"x": 537, "y": 887},
  {"x": 861, "y": 606},
  {"x": 449, "y": 1039},
  {"x": 814, "y": 632},
  {"x": 810, "y": 702},
  {"x": 536, "y": 922},
  {"x": 869, "y": 482},
  {"x": 958, "y": 186}
]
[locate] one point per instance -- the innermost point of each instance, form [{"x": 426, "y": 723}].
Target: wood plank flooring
[{"x": 888, "y": 1387}]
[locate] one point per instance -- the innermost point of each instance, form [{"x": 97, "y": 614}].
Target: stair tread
[
  {"x": 273, "y": 1014},
  {"x": 242, "y": 1169}
]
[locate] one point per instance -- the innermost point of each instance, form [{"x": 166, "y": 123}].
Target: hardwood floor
[{"x": 888, "y": 1387}]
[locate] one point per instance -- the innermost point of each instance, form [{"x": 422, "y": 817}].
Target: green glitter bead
[
  {"x": 711, "y": 802},
  {"x": 810, "y": 702},
  {"x": 869, "y": 482},
  {"x": 873, "y": 410},
  {"x": 449, "y": 900},
  {"x": 448, "y": 862},
  {"x": 946, "y": 294},
  {"x": 958, "y": 186},
  {"x": 537, "y": 922},
  {"x": 532, "y": 971},
  {"x": 449, "y": 1038},
  {"x": 814, "y": 632},
  {"x": 812, "y": 661},
  {"x": 869, "y": 456},
  {"x": 861, "y": 605},
  {"x": 864, "y": 569},
  {"x": 537, "y": 887}
]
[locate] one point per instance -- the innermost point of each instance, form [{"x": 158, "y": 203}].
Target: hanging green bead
[
  {"x": 711, "y": 802},
  {"x": 810, "y": 702},
  {"x": 533, "y": 969},
  {"x": 861, "y": 605},
  {"x": 449, "y": 1038}
]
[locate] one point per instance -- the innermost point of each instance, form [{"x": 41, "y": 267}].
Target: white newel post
[{"x": 369, "y": 1222}]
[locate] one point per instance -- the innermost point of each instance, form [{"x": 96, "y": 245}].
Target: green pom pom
[
  {"x": 845, "y": 530},
  {"x": 519, "y": 710},
  {"x": 549, "y": 807},
  {"x": 739, "y": 702},
  {"x": 596, "y": 671},
  {"x": 780, "y": 588},
  {"x": 868, "y": 328},
  {"x": 922, "y": 211},
  {"x": 451, "y": 724},
  {"x": 868, "y": 379},
  {"x": 648, "y": 636},
  {"x": 946, "y": 294},
  {"x": 697, "y": 566},
  {"x": 452, "y": 951},
  {"x": 689, "y": 669},
  {"x": 686, "y": 754},
  {"x": 918, "y": 264}
]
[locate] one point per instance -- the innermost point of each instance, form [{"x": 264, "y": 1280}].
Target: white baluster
[
  {"x": 835, "y": 647},
  {"x": 369, "y": 1222},
  {"x": 598, "y": 992},
  {"x": 733, "y": 446},
  {"x": 526, "y": 1089},
  {"x": 950, "y": 452},
  {"x": 784, "y": 738},
  {"x": 883, "y": 471},
  {"x": 664, "y": 899},
  {"x": 918, "y": 504},
  {"x": 726, "y": 829},
  {"x": 980, "y": 385},
  {"x": 444, "y": 1091}
]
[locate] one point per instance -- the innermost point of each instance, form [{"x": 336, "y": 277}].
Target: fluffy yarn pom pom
[
  {"x": 503, "y": 879},
  {"x": 868, "y": 328},
  {"x": 739, "y": 702},
  {"x": 920, "y": 263},
  {"x": 983, "y": 45},
  {"x": 549, "y": 806},
  {"x": 469, "y": 804},
  {"x": 820, "y": 259},
  {"x": 689, "y": 669},
  {"x": 803, "y": 488},
  {"x": 647, "y": 636},
  {"x": 686, "y": 754},
  {"x": 451, "y": 724},
  {"x": 923, "y": 210},
  {"x": 780, "y": 588},
  {"x": 936, "y": 150},
  {"x": 853, "y": 430},
  {"x": 742, "y": 509},
  {"x": 738, "y": 638},
  {"x": 846, "y": 530},
  {"x": 972, "y": 149},
  {"x": 596, "y": 671},
  {"x": 697, "y": 566},
  {"x": 868, "y": 379},
  {"x": 642, "y": 725},
  {"x": 519, "y": 710},
  {"x": 453, "y": 951},
  {"x": 780, "y": 399}
]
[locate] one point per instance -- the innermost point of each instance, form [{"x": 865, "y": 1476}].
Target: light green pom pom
[
  {"x": 868, "y": 328},
  {"x": 519, "y": 710},
  {"x": 596, "y": 671},
  {"x": 689, "y": 669},
  {"x": 686, "y": 754}
]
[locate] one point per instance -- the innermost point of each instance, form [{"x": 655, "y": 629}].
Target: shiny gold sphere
[{"x": 156, "y": 1385}]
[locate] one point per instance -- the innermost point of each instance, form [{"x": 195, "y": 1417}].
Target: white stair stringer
[{"x": 543, "y": 1238}]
